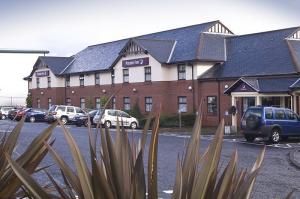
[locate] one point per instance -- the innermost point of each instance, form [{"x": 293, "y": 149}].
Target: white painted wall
[
  {"x": 201, "y": 68},
  {"x": 136, "y": 74},
  {"x": 55, "y": 81}
]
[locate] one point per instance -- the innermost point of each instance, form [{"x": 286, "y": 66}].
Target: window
[
  {"x": 279, "y": 114},
  {"x": 82, "y": 103},
  {"x": 112, "y": 77},
  {"x": 79, "y": 110},
  {"x": 147, "y": 74},
  {"x": 49, "y": 102},
  {"x": 290, "y": 115},
  {"x": 148, "y": 104},
  {"x": 49, "y": 82},
  {"x": 98, "y": 103},
  {"x": 269, "y": 113},
  {"x": 70, "y": 109},
  {"x": 113, "y": 103},
  {"x": 125, "y": 75},
  {"x": 68, "y": 81},
  {"x": 97, "y": 79},
  {"x": 38, "y": 82},
  {"x": 212, "y": 106},
  {"x": 61, "y": 109},
  {"x": 38, "y": 101},
  {"x": 126, "y": 101},
  {"x": 182, "y": 104},
  {"x": 181, "y": 72},
  {"x": 81, "y": 80},
  {"x": 68, "y": 102}
]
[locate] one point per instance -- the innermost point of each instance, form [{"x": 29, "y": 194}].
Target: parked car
[
  {"x": 35, "y": 115},
  {"x": 4, "y": 110},
  {"x": 20, "y": 114},
  {"x": 65, "y": 113},
  {"x": 80, "y": 120},
  {"x": 270, "y": 122},
  {"x": 0, "y": 115},
  {"x": 13, "y": 112},
  {"x": 110, "y": 116}
]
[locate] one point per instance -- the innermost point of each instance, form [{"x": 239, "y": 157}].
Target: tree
[{"x": 29, "y": 101}]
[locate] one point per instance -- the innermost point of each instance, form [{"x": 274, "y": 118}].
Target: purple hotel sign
[
  {"x": 42, "y": 73},
  {"x": 136, "y": 62},
  {"x": 243, "y": 87}
]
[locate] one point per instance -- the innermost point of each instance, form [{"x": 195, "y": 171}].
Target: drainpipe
[
  {"x": 193, "y": 85},
  {"x": 219, "y": 100}
]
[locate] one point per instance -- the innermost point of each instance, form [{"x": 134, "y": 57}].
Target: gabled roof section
[
  {"x": 295, "y": 35},
  {"x": 265, "y": 85},
  {"x": 219, "y": 28},
  {"x": 258, "y": 54},
  {"x": 160, "y": 49},
  {"x": 96, "y": 58},
  {"x": 294, "y": 46},
  {"x": 187, "y": 40},
  {"x": 55, "y": 64},
  {"x": 171, "y": 46},
  {"x": 212, "y": 47}
]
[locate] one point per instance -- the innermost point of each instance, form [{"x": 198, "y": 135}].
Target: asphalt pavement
[{"x": 276, "y": 179}]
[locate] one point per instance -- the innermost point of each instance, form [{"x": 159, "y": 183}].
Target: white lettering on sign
[
  {"x": 42, "y": 73},
  {"x": 136, "y": 62}
]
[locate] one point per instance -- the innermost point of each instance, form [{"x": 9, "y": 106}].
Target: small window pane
[
  {"x": 82, "y": 103},
  {"x": 212, "y": 106},
  {"x": 182, "y": 104},
  {"x": 70, "y": 109},
  {"x": 126, "y": 103},
  {"x": 279, "y": 115},
  {"x": 125, "y": 75},
  {"x": 268, "y": 113},
  {"x": 148, "y": 104},
  {"x": 290, "y": 115},
  {"x": 97, "y": 79}
]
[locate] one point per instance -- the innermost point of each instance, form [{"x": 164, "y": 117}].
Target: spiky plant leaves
[
  {"x": 57, "y": 187},
  {"x": 139, "y": 182},
  {"x": 33, "y": 187},
  {"x": 84, "y": 174},
  {"x": 152, "y": 160},
  {"x": 29, "y": 160},
  {"x": 68, "y": 172}
]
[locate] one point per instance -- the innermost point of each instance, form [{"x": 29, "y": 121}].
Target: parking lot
[{"x": 277, "y": 177}]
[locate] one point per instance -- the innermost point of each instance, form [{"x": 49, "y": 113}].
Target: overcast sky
[{"x": 66, "y": 27}]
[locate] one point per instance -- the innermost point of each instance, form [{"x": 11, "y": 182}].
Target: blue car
[
  {"x": 272, "y": 123},
  {"x": 35, "y": 115}
]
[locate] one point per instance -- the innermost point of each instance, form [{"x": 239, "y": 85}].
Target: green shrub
[{"x": 187, "y": 120}]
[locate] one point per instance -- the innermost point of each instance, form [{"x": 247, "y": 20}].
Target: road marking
[{"x": 168, "y": 191}]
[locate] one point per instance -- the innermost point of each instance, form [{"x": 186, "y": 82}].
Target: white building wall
[
  {"x": 201, "y": 68},
  {"x": 105, "y": 78},
  {"x": 89, "y": 80},
  {"x": 55, "y": 81}
]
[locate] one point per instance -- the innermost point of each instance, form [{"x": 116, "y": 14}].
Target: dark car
[
  {"x": 80, "y": 120},
  {"x": 35, "y": 114},
  {"x": 272, "y": 123},
  {"x": 13, "y": 112}
]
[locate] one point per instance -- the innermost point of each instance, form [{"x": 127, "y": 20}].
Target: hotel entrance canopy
[{"x": 285, "y": 88}]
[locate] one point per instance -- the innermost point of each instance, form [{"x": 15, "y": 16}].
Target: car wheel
[
  {"x": 86, "y": 123},
  {"x": 3, "y": 117},
  {"x": 275, "y": 136},
  {"x": 107, "y": 124},
  {"x": 32, "y": 119},
  {"x": 249, "y": 138},
  {"x": 64, "y": 120},
  {"x": 133, "y": 125}
]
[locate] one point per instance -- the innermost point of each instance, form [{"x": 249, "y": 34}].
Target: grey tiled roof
[
  {"x": 187, "y": 40},
  {"x": 296, "y": 84},
  {"x": 97, "y": 57},
  {"x": 257, "y": 54},
  {"x": 212, "y": 47},
  {"x": 103, "y": 56},
  {"x": 267, "y": 85},
  {"x": 160, "y": 49},
  {"x": 294, "y": 46},
  {"x": 56, "y": 64}
]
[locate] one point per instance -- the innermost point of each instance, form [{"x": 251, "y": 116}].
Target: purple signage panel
[
  {"x": 243, "y": 87},
  {"x": 42, "y": 73},
  {"x": 136, "y": 62}
]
